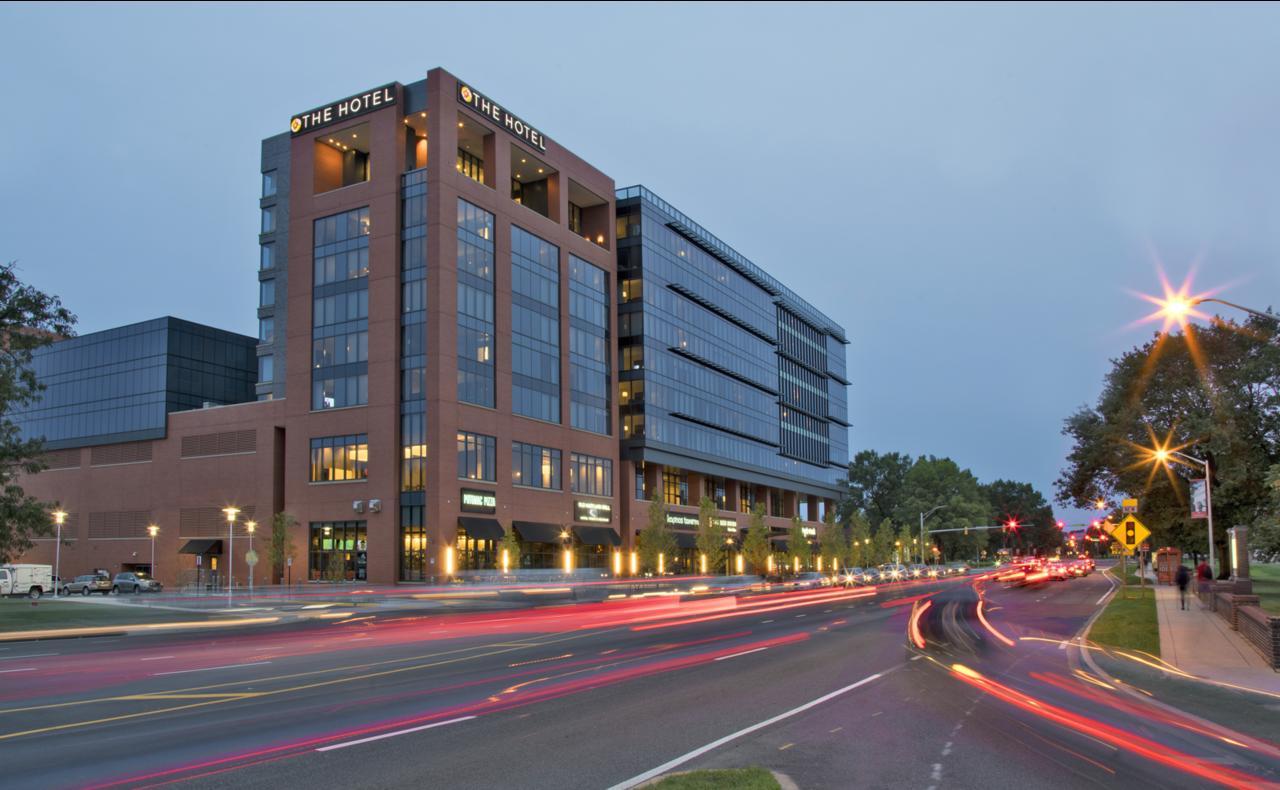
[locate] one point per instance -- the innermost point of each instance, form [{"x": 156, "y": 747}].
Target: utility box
[{"x": 1167, "y": 561}]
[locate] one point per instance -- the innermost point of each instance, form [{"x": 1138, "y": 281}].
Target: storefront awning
[
  {"x": 482, "y": 528},
  {"x": 537, "y": 532},
  {"x": 201, "y": 547},
  {"x": 780, "y": 545},
  {"x": 597, "y": 536},
  {"x": 686, "y": 540}
]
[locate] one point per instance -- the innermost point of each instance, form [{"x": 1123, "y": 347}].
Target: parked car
[
  {"x": 918, "y": 571},
  {"x": 89, "y": 583},
  {"x": 893, "y": 572},
  {"x": 29, "y": 580},
  {"x": 851, "y": 577},
  {"x": 811, "y": 579},
  {"x": 134, "y": 582}
]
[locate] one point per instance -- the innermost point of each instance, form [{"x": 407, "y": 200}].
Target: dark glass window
[
  {"x": 535, "y": 326},
  {"x": 675, "y": 486},
  {"x": 477, "y": 456},
  {"x": 268, "y": 219},
  {"x": 589, "y": 347},
  {"x": 266, "y": 330},
  {"x": 475, "y": 305},
  {"x": 266, "y": 293},
  {"x": 340, "y": 310},
  {"x": 413, "y": 464},
  {"x": 590, "y": 475},
  {"x": 341, "y": 249},
  {"x": 267, "y": 256},
  {"x": 471, "y": 166},
  {"x": 535, "y": 466},
  {"x": 639, "y": 482},
  {"x": 266, "y": 368},
  {"x": 339, "y": 458},
  {"x": 268, "y": 183}
]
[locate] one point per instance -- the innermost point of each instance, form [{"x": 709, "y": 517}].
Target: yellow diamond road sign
[{"x": 1129, "y": 534}]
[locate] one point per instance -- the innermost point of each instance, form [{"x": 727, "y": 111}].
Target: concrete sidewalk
[{"x": 1199, "y": 642}]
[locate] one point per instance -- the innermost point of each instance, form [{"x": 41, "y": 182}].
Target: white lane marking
[
  {"x": 24, "y": 669},
  {"x": 762, "y": 622},
  {"x": 393, "y": 734},
  {"x": 916, "y": 658},
  {"x": 209, "y": 669},
  {"x": 155, "y": 658},
  {"x": 937, "y": 772},
  {"x": 701, "y": 750},
  {"x": 743, "y": 653},
  {"x": 801, "y": 615},
  {"x": 28, "y": 655}
]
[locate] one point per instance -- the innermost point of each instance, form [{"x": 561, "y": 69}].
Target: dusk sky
[{"x": 974, "y": 192}]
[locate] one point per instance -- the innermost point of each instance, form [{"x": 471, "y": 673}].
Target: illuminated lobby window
[{"x": 341, "y": 158}]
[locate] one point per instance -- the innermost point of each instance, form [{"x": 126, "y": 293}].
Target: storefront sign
[
  {"x": 690, "y": 520},
  {"x": 592, "y": 512},
  {"x": 349, "y": 107},
  {"x": 809, "y": 532},
  {"x": 475, "y": 500},
  {"x": 499, "y": 115}
]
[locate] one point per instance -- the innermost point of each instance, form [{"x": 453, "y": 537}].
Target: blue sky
[{"x": 974, "y": 192}]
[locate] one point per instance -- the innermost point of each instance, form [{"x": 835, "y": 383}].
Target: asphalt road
[{"x": 823, "y": 686}]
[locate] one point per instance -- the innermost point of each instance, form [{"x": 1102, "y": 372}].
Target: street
[{"x": 598, "y": 695}]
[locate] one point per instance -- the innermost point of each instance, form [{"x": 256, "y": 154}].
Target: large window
[
  {"x": 267, "y": 256},
  {"x": 475, "y": 305},
  {"x": 338, "y": 551},
  {"x": 269, "y": 219},
  {"x": 535, "y": 326},
  {"x": 590, "y": 475},
  {"x": 535, "y": 466},
  {"x": 477, "y": 456},
  {"x": 639, "y": 481},
  {"x": 266, "y": 330},
  {"x": 675, "y": 486},
  {"x": 589, "y": 347},
  {"x": 415, "y": 546},
  {"x": 339, "y": 458},
  {"x": 413, "y": 464},
  {"x": 266, "y": 368},
  {"x": 340, "y": 310},
  {"x": 471, "y": 165},
  {"x": 269, "y": 183},
  {"x": 266, "y": 293}
]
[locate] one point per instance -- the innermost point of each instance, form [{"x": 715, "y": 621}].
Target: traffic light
[
  {"x": 1062, "y": 525},
  {"x": 1130, "y": 538}
]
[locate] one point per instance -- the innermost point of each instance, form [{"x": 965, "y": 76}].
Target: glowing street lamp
[
  {"x": 1163, "y": 455},
  {"x": 231, "y": 513},
  {"x": 250, "y": 526},
  {"x": 59, "y": 516},
  {"x": 153, "y": 530}
]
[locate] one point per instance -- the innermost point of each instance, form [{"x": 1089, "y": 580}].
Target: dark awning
[
  {"x": 201, "y": 547},
  {"x": 686, "y": 540},
  {"x": 780, "y": 545},
  {"x": 597, "y": 536},
  {"x": 537, "y": 532},
  {"x": 482, "y": 528}
]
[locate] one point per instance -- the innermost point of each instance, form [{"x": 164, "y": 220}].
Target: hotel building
[{"x": 463, "y": 332}]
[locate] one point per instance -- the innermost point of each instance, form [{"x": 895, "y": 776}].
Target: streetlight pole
[
  {"x": 152, "y": 530},
  {"x": 923, "y": 516},
  {"x": 59, "y": 516},
  {"x": 1249, "y": 310},
  {"x": 231, "y": 512},
  {"x": 1208, "y": 488},
  {"x": 251, "y": 526}
]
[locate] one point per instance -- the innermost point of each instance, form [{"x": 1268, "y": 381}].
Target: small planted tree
[
  {"x": 281, "y": 548},
  {"x": 831, "y": 542},
  {"x": 710, "y": 538},
  {"x": 511, "y": 545},
  {"x": 798, "y": 544},
  {"x": 755, "y": 546},
  {"x": 656, "y": 537},
  {"x": 859, "y": 547}
]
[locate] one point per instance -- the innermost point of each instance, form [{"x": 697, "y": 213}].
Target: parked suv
[
  {"x": 134, "y": 583},
  {"x": 90, "y": 583}
]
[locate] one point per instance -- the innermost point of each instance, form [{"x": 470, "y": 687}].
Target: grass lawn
[
  {"x": 1129, "y": 623},
  {"x": 1266, "y": 585},
  {"x": 20, "y": 614},
  {"x": 735, "y": 778}
]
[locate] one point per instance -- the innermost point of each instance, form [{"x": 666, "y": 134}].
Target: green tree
[
  {"x": 798, "y": 544},
  {"x": 874, "y": 485},
  {"x": 933, "y": 481},
  {"x": 1214, "y": 393},
  {"x": 656, "y": 537},
  {"x": 859, "y": 548},
  {"x": 29, "y": 320},
  {"x": 1037, "y": 530},
  {"x": 882, "y": 543},
  {"x": 831, "y": 542},
  {"x": 711, "y": 539},
  {"x": 904, "y": 548},
  {"x": 281, "y": 547},
  {"x": 510, "y": 543},
  {"x": 755, "y": 546}
]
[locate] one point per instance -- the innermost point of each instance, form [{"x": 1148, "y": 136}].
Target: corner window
[
  {"x": 266, "y": 293},
  {"x": 266, "y": 330},
  {"x": 267, "y": 257},
  {"x": 266, "y": 368},
  {"x": 269, "y": 183},
  {"x": 269, "y": 220}
]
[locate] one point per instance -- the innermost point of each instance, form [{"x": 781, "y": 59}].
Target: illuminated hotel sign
[
  {"x": 475, "y": 500},
  {"x": 809, "y": 532},
  {"x": 592, "y": 512},
  {"x": 499, "y": 115},
  {"x": 688, "y": 520},
  {"x": 349, "y": 107}
]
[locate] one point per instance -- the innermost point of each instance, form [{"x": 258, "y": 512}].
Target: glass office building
[
  {"x": 118, "y": 385},
  {"x": 730, "y": 386}
]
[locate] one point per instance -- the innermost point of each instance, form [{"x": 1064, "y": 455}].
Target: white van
[{"x": 29, "y": 580}]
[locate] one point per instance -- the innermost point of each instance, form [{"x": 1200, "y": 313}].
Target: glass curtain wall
[
  {"x": 588, "y": 347},
  {"x": 535, "y": 326},
  {"x": 475, "y": 305},
  {"x": 414, "y": 548}
]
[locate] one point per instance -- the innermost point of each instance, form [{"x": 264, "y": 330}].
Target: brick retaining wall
[{"x": 1260, "y": 630}]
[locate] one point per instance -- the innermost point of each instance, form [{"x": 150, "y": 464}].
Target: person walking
[
  {"x": 1204, "y": 575},
  {"x": 1182, "y": 578}
]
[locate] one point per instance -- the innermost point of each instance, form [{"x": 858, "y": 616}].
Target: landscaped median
[
  {"x": 720, "y": 779},
  {"x": 1129, "y": 621},
  {"x": 50, "y": 619}
]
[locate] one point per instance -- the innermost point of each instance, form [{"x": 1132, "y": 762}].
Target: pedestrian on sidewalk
[
  {"x": 1182, "y": 578},
  {"x": 1204, "y": 575}
]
